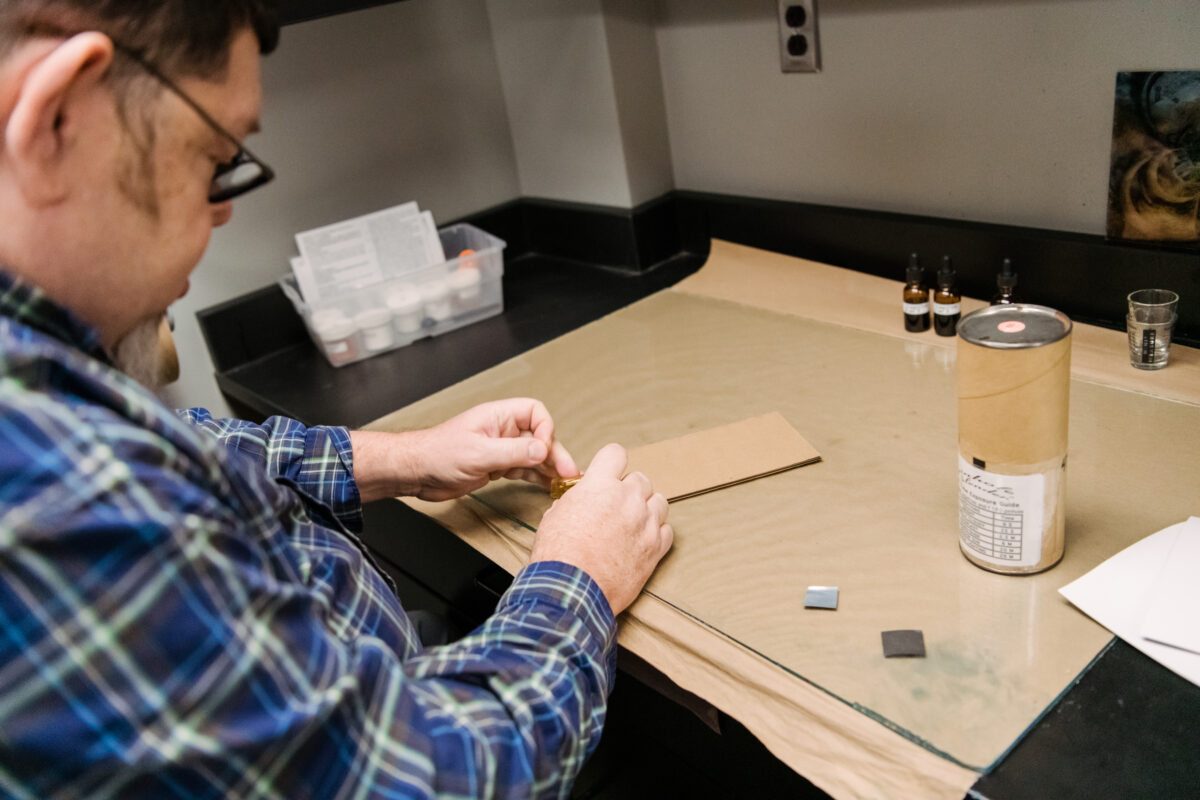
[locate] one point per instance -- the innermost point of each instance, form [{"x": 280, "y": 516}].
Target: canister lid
[{"x": 1014, "y": 326}]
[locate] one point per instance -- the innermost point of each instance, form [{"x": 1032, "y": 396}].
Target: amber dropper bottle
[
  {"x": 947, "y": 303},
  {"x": 1006, "y": 285},
  {"x": 916, "y": 297}
]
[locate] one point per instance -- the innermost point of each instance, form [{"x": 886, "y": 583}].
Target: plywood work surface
[{"x": 877, "y": 517}]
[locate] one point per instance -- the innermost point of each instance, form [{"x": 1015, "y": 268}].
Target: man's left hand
[{"x": 503, "y": 439}]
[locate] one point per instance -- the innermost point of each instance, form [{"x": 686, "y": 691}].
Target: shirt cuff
[
  {"x": 343, "y": 497},
  {"x": 562, "y": 585},
  {"x": 317, "y": 461}
]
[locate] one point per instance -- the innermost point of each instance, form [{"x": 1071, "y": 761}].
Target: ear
[{"x": 44, "y": 130}]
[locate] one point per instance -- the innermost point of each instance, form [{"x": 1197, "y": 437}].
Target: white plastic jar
[
  {"x": 376, "y": 326},
  {"x": 338, "y": 335},
  {"x": 464, "y": 283},
  {"x": 404, "y": 303},
  {"x": 436, "y": 297}
]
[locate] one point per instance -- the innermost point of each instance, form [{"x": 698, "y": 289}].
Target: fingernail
[{"x": 537, "y": 451}]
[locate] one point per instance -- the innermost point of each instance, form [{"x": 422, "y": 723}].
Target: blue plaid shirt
[{"x": 184, "y": 611}]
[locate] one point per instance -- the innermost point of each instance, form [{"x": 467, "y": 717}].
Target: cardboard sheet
[
  {"x": 712, "y": 459},
  {"x": 723, "y": 615}
]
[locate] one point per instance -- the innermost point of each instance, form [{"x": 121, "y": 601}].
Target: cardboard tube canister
[{"x": 1014, "y": 378}]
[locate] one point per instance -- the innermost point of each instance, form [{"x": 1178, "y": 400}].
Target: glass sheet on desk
[{"x": 877, "y": 517}]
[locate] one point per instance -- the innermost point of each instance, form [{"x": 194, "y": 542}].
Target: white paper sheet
[
  {"x": 1120, "y": 593},
  {"x": 357, "y": 253},
  {"x": 1173, "y": 617}
]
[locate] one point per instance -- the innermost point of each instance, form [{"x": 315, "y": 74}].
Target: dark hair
[
  {"x": 180, "y": 37},
  {"x": 188, "y": 37}
]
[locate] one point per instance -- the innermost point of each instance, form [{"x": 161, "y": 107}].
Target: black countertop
[
  {"x": 543, "y": 299},
  {"x": 1128, "y": 728}
]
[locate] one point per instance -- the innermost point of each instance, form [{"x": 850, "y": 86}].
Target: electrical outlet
[{"x": 798, "y": 47}]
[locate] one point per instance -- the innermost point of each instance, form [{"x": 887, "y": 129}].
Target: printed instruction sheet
[{"x": 357, "y": 253}]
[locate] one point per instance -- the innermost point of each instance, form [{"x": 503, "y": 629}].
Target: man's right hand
[{"x": 614, "y": 529}]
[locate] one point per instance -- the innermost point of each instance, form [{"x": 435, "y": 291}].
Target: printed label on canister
[
  {"x": 1000, "y": 516},
  {"x": 947, "y": 309},
  {"x": 916, "y": 308}
]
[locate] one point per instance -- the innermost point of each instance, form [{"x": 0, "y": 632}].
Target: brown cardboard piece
[{"x": 712, "y": 459}]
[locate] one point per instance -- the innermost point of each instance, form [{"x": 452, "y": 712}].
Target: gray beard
[{"x": 137, "y": 354}]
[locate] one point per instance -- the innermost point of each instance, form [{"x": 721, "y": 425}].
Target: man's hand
[
  {"x": 614, "y": 529},
  {"x": 503, "y": 439}
]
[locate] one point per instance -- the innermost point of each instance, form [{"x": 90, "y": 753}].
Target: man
[{"x": 183, "y": 610}]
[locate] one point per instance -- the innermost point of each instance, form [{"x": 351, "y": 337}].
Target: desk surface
[
  {"x": 626, "y": 291},
  {"x": 878, "y": 517}
]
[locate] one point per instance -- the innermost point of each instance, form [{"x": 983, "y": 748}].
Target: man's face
[{"x": 155, "y": 218}]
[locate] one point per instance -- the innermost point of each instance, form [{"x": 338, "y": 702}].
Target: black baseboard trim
[
  {"x": 636, "y": 239},
  {"x": 1085, "y": 276}
]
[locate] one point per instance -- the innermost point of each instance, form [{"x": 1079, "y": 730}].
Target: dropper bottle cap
[
  {"x": 914, "y": 273},
  {"x": 946, "y": 273},
  {"x": 1007, "y": 279}
]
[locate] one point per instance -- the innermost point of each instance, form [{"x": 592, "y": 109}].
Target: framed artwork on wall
[{"x": 1154, "y": 174}]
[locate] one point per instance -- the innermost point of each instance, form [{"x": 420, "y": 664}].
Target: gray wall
[
  {"x": 986, "y": 110},
  {"x": 583, "y": 90},
  {"x": 554, "y": 67}
]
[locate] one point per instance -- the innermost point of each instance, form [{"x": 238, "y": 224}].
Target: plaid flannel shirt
[{"x": 184, "y": 612}]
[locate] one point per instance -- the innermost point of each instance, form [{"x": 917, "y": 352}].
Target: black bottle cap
[
  {"x": 914, "y": 273},
  {"x": 946, "y": 273},
  {"x": 1007, "y": 279}
]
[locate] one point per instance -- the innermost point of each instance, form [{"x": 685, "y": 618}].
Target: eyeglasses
[{"x": 232, "y": 178}]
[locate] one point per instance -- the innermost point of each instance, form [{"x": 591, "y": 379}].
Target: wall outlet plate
[{"x": 799, "y": 50}]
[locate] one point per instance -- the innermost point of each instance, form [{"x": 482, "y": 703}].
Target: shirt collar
[{"x": 27, "y": 304}]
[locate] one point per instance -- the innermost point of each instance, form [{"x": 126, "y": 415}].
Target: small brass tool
[{"x": 559, "y": 486}]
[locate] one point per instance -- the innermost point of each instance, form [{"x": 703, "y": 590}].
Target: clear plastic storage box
[{"x": 427, "y": 302}]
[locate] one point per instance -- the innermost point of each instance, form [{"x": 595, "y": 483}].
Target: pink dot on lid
[{"x": 1011, "y": 326}]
